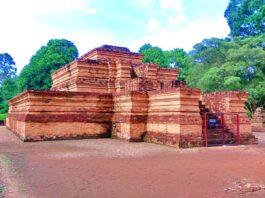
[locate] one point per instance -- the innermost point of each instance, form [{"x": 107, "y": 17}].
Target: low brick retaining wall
[{"x": 46, "y": 115}]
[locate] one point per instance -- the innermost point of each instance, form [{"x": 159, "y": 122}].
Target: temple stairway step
[{"x": 215, "y": 137}]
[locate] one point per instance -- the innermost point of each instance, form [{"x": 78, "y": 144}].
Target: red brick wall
[
  {"x": 229, "y": 102},
  {"x": 41, "y": 115}
]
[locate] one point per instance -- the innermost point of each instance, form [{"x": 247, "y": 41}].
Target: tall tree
[
  {"x": 37, "y": 74},
  {"x": 7, "y": 91},
  {"x": 7, "y": 67},
  {"x": 246, "y": 17}
]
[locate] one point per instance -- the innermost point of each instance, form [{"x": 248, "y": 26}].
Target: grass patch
[{"x": 2, "y": 116}]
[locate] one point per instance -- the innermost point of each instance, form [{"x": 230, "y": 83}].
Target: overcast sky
[{"x": 26, "y": 25}]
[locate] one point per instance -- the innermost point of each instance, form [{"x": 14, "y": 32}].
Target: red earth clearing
[{"x": 115, "y": 168}]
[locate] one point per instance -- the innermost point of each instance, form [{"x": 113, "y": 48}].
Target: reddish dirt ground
[{"x": 114, "y": 168}]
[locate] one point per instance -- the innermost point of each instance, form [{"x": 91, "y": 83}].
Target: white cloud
[
  {"x": 153, "y": 25},
  {"x": 61, "y": 6},
  {"x": 22, "y": 34},
  {"x": 87, "y": 40},
  {"x": 26, "y": 45},
  {"x": 143, "y": 3},
  {"x": 176, "y": 5},
  {"x": 185, "y": 37},
  {"x": 48, "y": 6},
  {"x": 176, "y": 20}
]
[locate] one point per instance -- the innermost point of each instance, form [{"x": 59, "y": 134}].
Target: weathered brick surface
[
  {"x": 113, "y": 53},
  {"x": 230, "y": 102},
  {"x": 41, "y": 115},
  {"x": 163, "y": 138},
  {"x": 175, "y": 114},
  {"x": 130, "y": 115},
  {"x": 258, "y": 121}
]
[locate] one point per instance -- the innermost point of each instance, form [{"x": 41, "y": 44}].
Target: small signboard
[{"x": 212, "y": 122}]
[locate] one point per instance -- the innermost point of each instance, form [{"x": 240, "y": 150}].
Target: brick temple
[{"x": 109, "y": 92}]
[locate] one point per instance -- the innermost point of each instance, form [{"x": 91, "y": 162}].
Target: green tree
[
  {"x": 256, "y": 97},
  {"x": 153, "y": 55},
  {"x": 210, "y": 53},
  {"x": 7, "y": 67},
  {"x": 232, "y": 83},
  {"x": 8, "y": 90},
  {"x": 238, "y": 64},
  {"x": 212, "y": 80},
  {"x": 246, "y": 17},
  {"x": 176, "y": 58},
  {"x": 37, "y": 74},
  {"x": 145, "y": 47}
]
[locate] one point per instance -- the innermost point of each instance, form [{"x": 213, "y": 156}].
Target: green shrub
[{"x": 3, "y": 116}]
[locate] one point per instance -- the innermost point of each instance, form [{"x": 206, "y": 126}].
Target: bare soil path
[{"x": 114, "y": 168}]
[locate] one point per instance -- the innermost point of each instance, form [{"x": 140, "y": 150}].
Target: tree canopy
[
  {"x": 227, "y": 65},
  {"x": 8, "y": 86},
  {"x": 7, "y": 67},
  {"x": 176, "y": 58},
  {"x": 246, "y": 17},
  {"x": 37, "y": 74}
]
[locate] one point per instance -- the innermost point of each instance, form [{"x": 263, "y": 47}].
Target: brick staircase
[
  {"x": 215, "y": 133},
  {"x": 215, "y": 137}
]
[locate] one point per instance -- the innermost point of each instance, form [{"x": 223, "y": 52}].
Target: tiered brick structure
[
  {"x": 44, "y": 115},
  {"x": 174, "y": 117},
  {"x": 109, "y": 91}
]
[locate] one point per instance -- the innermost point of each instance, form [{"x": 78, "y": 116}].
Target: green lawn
[{"x": 3, "y": 116}]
